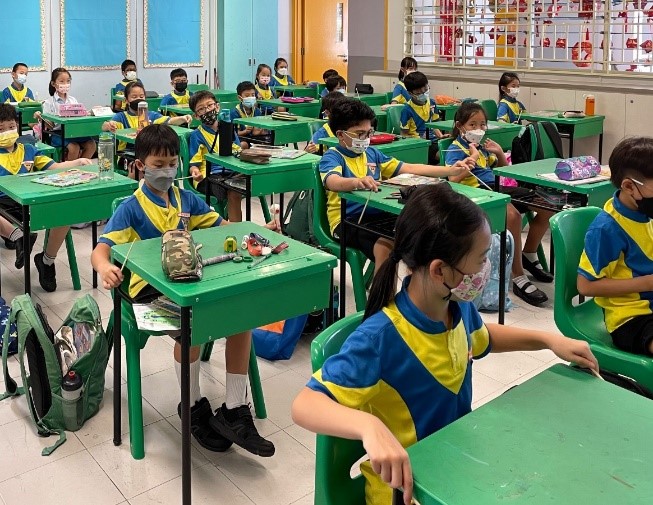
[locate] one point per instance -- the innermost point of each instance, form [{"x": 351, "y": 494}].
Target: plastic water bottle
[
  {"x": 71, "y": 391},
  {"x": 143, "y": 115},
  {"x": 105, "y": 156}
]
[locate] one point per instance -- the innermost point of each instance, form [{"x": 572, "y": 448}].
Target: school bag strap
[{"x": 11, "y": 388}]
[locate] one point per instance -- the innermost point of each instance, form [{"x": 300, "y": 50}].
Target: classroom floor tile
[{"x": 112, "y": 476}]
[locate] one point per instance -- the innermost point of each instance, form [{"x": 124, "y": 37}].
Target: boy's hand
[
  {"x": 367, "y": 182},
  {"x": 112, "y": 126},
  {"x": 473, "y": 153},
  {"x": 274, "y": 226},
  {"x": 196, "y": 174},
  {"x": 576, "y": 351},
  {"x": 459, "y": 168},
  {"x": 188, "y": 118},
  {"x": 111, "y": 276},
  {"x": 493, "y": 147},
  {"x": 388, "y": 458},
  {"x": 310, "y": 147},
  {"x": 83, "y": 161}
]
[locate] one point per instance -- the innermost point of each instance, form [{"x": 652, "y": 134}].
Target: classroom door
[{"x": 324, "y": 38}]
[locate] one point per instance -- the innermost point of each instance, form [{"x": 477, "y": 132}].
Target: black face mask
[
  {"x": 209, "y": 117},
  {"x": 133, "y": 105},
  {"x": 180, "y": 87},
  {"x": 645, "y": 205}
]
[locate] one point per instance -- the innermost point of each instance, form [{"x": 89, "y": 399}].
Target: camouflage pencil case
[{"x": 180, "y": 259}]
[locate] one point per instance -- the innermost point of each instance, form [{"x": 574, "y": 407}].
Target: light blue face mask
[
  {"x": 249, "y": 101},
  {"x": 421, "y": 99}
]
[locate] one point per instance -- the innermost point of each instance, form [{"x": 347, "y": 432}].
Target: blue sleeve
[
  {"x": 405, "y": 117},
  {"x": 319, "y": 134},
  {"x": 436, "y": 113},
  {"x": 117, "y": 230},
  {"x": 30, "y": 95},
  {"x": 194, "y": 145},
  {"x": 168, "y": 100},
  {"x": 201, "y": 214},
  {"x": 324, "y": 93},
  {"x": 291, "y": 80},
  {"x": 331, "y": 163},
  {"x": 503, "y": 112},
  {"x": 603, "y": 247},
  {"x": 454, "y": 154},
  {"x": 233, "y": 114},
  {"x": 6, "y": 95}
]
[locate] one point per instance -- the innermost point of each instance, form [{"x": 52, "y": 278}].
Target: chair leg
[
  {"x": 255, "y": 386},
  {"x": 72, "y": 261},
  {"x": 266, "y": 209},
  {"x": 541, "y": 257},
  {"x": 357, "y": 280},
  {"x": 135, "y": 398},
  {"x": 368, "y": 275},
  {"x": 206, "y": 351}
]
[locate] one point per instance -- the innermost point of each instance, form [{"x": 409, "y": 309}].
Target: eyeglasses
[
  {"x": 203, "y": 110},
  {"x": 360, "y": 136},
  {"x": 180, "y": 81}
]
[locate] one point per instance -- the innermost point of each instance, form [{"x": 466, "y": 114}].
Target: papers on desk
[
  {"x": 277, "y": 152},
  {"x": 101, "y": 111},
  {"x": 411, "y": 180},
  {"x": 591, "y": 180},
  {"x": 151, "y": 317},
  {"x": 544, "y": 113},
  {"x": 71, "y": 177}
]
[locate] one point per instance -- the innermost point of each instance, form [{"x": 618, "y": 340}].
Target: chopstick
[
  {"x": 360, "y": 218},
  {"x": 596, "y": 374},
  {"x": 127, "y": 257}
]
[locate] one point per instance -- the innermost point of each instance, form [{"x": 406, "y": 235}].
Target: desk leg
[
  {"x": 502, "y": 276},
  {"x": 343, "y": 256},
  {"x": 94, "y": 242},
  {"x": 397, "y": 497},
  {"x": 571, "y": 142},
  {"x": 185, "y": 406},
  {"x": 600, "y": 147},
  {"x": 248, "y": 198},
  {"x": 28, "y": 256},
  {"x": 281, "y": 206},
  {"x": 117, "y": 323},
  {"x": 207, "y": 192}
]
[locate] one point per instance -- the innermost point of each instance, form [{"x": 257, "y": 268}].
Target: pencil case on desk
[
  {"x": 580, "y": 167},
  {"x": 284, "y": 116}
]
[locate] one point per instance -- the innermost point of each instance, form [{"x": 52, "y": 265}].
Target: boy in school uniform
[
  {"x": 180, "y": 94},
  {"x": 205, "y": 140},
  {"x": 17, "y": 159},
  {"x": 354, "y": 165},
  {"x": 154, "y": 208},
  {"x": 325, "y": 130},
  {"x": 248, "y": 107},
  {"x": 17, "y": 91},
  {"x": 128, "y": 68},
  {"x": 616, "y": 267},
  {"x": 327, "y": 73},
  {"x": 336, "y": 83}
]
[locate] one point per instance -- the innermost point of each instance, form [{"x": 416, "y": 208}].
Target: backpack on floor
[
  {"x": 531, "y": 135},
  {"x": 278, "y": 340},
  {"x": 489, "y": 298},
  {"x": 297, "y": 220},
  {"x": 81, "y": 347},
  {"x": 12, "y": 345}
]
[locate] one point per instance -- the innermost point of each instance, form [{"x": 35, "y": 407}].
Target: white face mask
[
  {"x": 21, "y": 78},
  {"x": 63, "y": 88},
  {"x": 474, "y": 136},
  {"x": 131, "y": 75},
  {"x": 513, "y": 92},
  {"x": 264, "y": 79},
  {"x": 283, "y": 71}
]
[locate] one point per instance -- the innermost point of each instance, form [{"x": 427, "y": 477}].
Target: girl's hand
[
  {"x": 112, "y": 126},
  {"x": 111, "y": 276},
  {"x": 310, "y": 147},
  {"x": 576, "y": 351},
  {"x": 473, "y": 153},
  {"x": 274, "y": 226},
  {"x": 388, "y": 458},
  {"x": 196, "y": 174},
  {"x": 367, "y": 182},
  {"x": 188, "y": 118},
  {"x": 460, "y": 168},
  {"x": 493, "y": 147}
]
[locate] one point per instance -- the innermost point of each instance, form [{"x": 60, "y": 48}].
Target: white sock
[
  {"x": 195, "y": 394},
  {"x": 47, "y": 260},
  {"x": 236, "y": 390},
  {"x": 521, "y": 280},
  {"x": 532, "y": 257},
  {"x": 16, "y": 234}
]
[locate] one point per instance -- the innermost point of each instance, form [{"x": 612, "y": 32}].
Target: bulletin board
[
  {"x": 24, "y": 36},
  {"x": 94, "y": 34},
  {"x": 174, "y": 33}
]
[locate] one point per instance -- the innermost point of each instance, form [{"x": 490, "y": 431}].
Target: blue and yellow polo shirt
[
  {"x": 411, "y": 372},
  {"x": 414, "y": 117},
  {"x": 11, "y": 94},
  {"x": 400, "y": 94},
  {"x": 199, "y": 145},
  {"x": 128, "y": 119},
  {"x": 345, "y": 163},
  {"x": 176, "y": 99},
  {"x": 238, "y": 111},
  {"x": 263, "y": 93},
  {"x": 324, "y": 132},
  {"x": 459, "y": 150},
  {"x": 509, "y": 109},
  {"x": 145, "y": 215},
  {"x": 281, "y": 81},
  {"x": 119, "y": 89},
  {"x": 619, "y": 245},
  {"x": 13, "y": 163}
]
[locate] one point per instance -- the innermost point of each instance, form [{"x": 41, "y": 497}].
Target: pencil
[
  {"x": 360, "y": 218},
  {"x": 596, "y": 374},
  {"x": 127, "y": 257}
]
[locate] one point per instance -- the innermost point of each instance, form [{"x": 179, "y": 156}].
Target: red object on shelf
[
  {"x": 491, "y": 33},
  {"x": 546, "y": 42},
  {"x": 480, "y": 50},
  {"x": 511, "y": 39},
  {"x": 561, "y": 43},
  {"x": 647, "y": 45},
  {"x": 581, "y": 52},
  {"x": 631, "y": 43},
  {"x": 471, "y": 39}
]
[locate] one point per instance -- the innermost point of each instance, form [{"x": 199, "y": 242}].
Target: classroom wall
[
  {"x": 366, "y": 38},
  {"x": 284, "y": 35}
]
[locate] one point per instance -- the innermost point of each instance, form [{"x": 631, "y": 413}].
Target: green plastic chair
[
  {"x": 585, "y": 320},
  {"x": 389, "y": 95},
  {"x": 394, "y": 119},
  {"x": 72, "y": 258},
  {"x": 335, "y": 456},
  {"x": 490, "y": 108},
  {"x": 443, "y": 145},
  {"x": 194, "y": 88},
  {"x": 549, "y": 150},
  {"x": 135, "y": 341},
  {"x": 360, "y": 277}
]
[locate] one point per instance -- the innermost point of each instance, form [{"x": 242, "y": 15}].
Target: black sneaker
[
  {"x": 535, "y": 297},
  {"x": 20, "y": 255},
  {"x": 200, "y": 414},
  {"x": 10, "y": 244},
  {"x": 536, "y": 270},
  {"x": 47, "y": 274},
  {"x": 237, "y": 425}
]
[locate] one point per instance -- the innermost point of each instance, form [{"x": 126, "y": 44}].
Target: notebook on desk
[{"x": 67, "y": 178}]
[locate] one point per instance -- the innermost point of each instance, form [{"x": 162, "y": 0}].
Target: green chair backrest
[
  {"x": 394, "y": 118},
  {"x": 311, "y": 110},
  {"x": 320, "y": 220},
  {"x": 389, "y": 96},
  {"x": 549, "y": 149},
  {"x": 443, "y": 145},
  {"x": 334, "y": 456},
  {"x": 193, "y": 88},
  {"x": 490, "y": 108}
]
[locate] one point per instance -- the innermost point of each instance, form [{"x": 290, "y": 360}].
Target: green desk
[
  {"x": 562, "y": 437},
  {"x": 283, "y": 132},
  {"x": 230, "y": 298},
  {"x": 501, "y": 133},
  {"x": 278, "y": 176},
  {"x": 73, "y": 127},
  {"x": 25, "y": 111},
  {"x": 48, "y": 150},
  {"x": 128, "y": 135},
  {"x": 371, "y": 99},
  {"x": 408, "y": 149},
  {"x": 305, "y": 109},
  {"x": 447, "y": 112},
  {"x": 224, "y": 95},
  {"x": 381, "y": 119},
  {"x": 45, "y": 207},
  {"x": 296, "y": 90},
  {"x": 572, "y": 128},
  {"x": 493, "y": 204}
]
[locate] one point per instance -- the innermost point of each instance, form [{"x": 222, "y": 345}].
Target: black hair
[
  {"x": 349, "y": 112},
  {"x": 127, "y": 63},
  {"x": 335, "y": 81},
  {"x": 259, "y": 69},
  {"x": 156, "y": 140},
  {"x": 464, "y": 112},
  {"x": 196, "y": 98},
  {"x": 132, "y": 85},
  {"x": 407, "y": 62},
  {"x": 17, "y": 66},
  {"x": 8, "y": 112},
  {"x": 436, "y": 223},
  {"x": 245, "y": 86},
  {"x": 631, "y": 157},
  {"x": 277, "y": 61},
  {"x": 415, "y": 80},
  {"x": 329, "y": 73},
  {"x": 330, "y": 100},
  {"x": 506, "y": 78},
  {"x": 178, "y": 72},
  {"x": 55, "y": 74}
]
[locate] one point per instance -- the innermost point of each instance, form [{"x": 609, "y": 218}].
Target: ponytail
[
  {"x": 406, "y": 63},
  {"x": 383, "y": 286}
]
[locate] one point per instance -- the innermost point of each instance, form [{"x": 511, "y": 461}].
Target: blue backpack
[
  {"x": 489, "y": 298},
  {"x": 4, "y": 321},
  {"x": 278, "y": 340}
]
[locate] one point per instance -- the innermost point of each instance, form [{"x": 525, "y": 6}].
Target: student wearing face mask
[
  {"x": 263, "y": 89},
  {"x": 128, "y": 69},
  {"x": 400, "y": 94},
  {"x": 248, "y": 107},
  {"x": 18, "y": 159},
  {"x": 509, "y": 108},
  {"x": 180, "y": 94},
  {"x": 18, "y": 91},
  {"x": 616, "y": 267},
  {"x": 336, "y": 83},
  {"x": 354, "y": 165},
  {"x": 154, "y": 208},
  {"x": 325, "y": 130},
  {"x": 281, "y": 77},
  {"x": 470, "y": 124},
  {"x": 205, "y": 140}
]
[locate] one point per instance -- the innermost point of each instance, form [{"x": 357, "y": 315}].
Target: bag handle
[{"x": 11, "y": 388}]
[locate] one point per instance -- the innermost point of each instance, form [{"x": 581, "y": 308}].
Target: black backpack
[{"x": 522, "y": 144}]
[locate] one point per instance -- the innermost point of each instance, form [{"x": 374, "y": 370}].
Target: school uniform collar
[
  {"x": 347, "y": 152},
  {"x": 420, "y": 320},
  {"x": 4, "y": 150},
  {"x": 207, "y": 129},
  {"x": 57, "y": 98},
  {"x": 13, "y": 85},
  {"x": 633, "y": 215},
  {"x": 243, "y": 113},
  {"x": 510, "y": 99},
  {"x": 461, "y": 140},
  {"x": 174, "y": 92},
  {"x": 157, "y": 200}
]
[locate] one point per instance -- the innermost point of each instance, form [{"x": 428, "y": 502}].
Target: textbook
[{"x": 68, "y": 178}]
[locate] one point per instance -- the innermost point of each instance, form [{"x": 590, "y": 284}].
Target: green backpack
[
  {"x": 41, "y": 367},
  {"x": 297, "y": 221}
]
